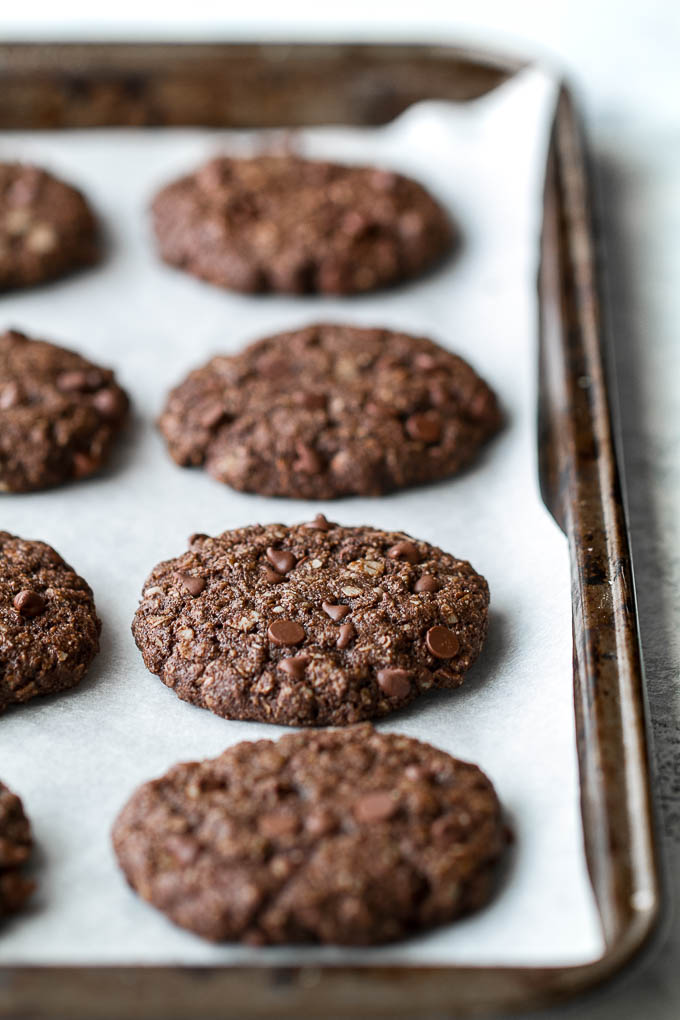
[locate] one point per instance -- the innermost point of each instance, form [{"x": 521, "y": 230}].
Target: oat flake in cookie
[
  {"x": 280, "y": 223},
  {"x": 59, "y": 414},
  {"x": 346, "y": 836},
  {"x": 314, "y": 624},
  {"x": 49, "y": 630},
  {"x": 15, "y": 848},
  {"x": 46, "y": 227},
  {"x": 329, "y": 411}
]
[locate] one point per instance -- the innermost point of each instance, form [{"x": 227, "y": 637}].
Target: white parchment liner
[{"x": 75, "y": 758}]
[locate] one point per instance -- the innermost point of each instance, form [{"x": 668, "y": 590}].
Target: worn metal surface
[{"x": 256, "y": 86}]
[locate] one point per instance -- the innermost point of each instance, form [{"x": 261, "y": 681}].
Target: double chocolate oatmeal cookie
[
  {"x": 346, "y": 836},
  {"x": 15, "y": 848},
  {"x": 281, "y": 223},
  {"x": 46, "y": 227},
  {"x": 49, "y": 630},
  {"x": 59, "y": 414},
  {"x": 329, "y": 411},
  {"x": 309, "y": 625}
]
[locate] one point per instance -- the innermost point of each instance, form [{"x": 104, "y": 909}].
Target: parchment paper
[{"x": 76, "y": 758}]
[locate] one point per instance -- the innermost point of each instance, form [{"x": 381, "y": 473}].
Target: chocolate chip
[
  {"x": 308, "y": 461},
  {"x": 395, "y": 683},
  {"x": 194, "y": 585},
  {"x": 346, "y": 634},
  {"x": 282, "y": 823},
  {"x": 272, "y": 576},
  {"x": 29, "y": 603},
  {"x": 110, "y": 403},
  {"x": 281, "y": 560},
  {"x": 442, "y": 642},
  {"x": 404, "y": 551},
  {"x": 375, "y": 807},
  {"x": 427, "y": 427},
  {"x": 426, "y": 583},
  {"x": 294, "y": 666},
  {"x": 336, "y": 613},
  {"x": 198, "y": 536},
  {"x": 320, "y": 523},
  {"x": 286, "y": 632},
  {"x": 311, "y": 401},
  {"x": 84, "y": 464}
]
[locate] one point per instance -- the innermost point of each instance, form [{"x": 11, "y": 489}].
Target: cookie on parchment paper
[
  {"x": 337, "y": 836},
  {"x": 59, "y": 414},
  {"x": 281, "y": 223},
  {"x": 329, "y": 411},
  {"x": 15, "y": 849},
  {"x": 47, "y": 228},
  {"x": 308, "y": 625},
  {"x": 49, "y": 629}
]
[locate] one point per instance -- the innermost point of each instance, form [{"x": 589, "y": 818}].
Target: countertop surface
[{"x": 622, "y": 59}]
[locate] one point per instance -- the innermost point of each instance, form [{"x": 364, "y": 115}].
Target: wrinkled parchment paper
[{"x": 76, "y": 758}]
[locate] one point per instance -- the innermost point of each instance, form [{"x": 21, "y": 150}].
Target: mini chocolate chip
[
  {"x": 286, "y": 632},
  {"x": 198, "y": 536},
  {"x": 194, "y": 585},
  {"x": 336, "y": 613},
  {"x": 280, "y": 559},
  {"x": 375, "y": 807},
  {"x": 320, "y": 523},
  {"x": 110, "y": 403},
  {"x": 346, "y": 634},
  {"x": 84, "y": 464},
  {"x": 442, "y": 642},
  {"x": 294, "y": 666},
  {"x": 395, "y": 683},
  {"x": 308, "y": 461},
  {"x": 29, "y": 603},
  {"x": 426, "y": 583},
  {"x": 426, "y": 428},
  {"x": 404, "y": 551},
  {"x": 311, "y": 401},
  {"x": 272, "y": 576}
]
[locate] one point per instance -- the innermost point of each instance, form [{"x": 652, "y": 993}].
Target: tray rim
[{"x": 617, "y": 811}]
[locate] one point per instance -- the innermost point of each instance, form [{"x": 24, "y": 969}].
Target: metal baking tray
[{"x": 222, "y": 85}]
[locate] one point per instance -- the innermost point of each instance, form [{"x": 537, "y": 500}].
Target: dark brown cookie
[
  {"x": 15, "y": 848},
  {"x": 46, "y": 227},
  {"x": 280, "y": 223},
  {"x": 347, "y": 836},
  {"x": 310, "y": 625},
  {"x": 330, "y": 411},
  {"x": 49, "y": 630},
  {"x": 59, "y": 414}
]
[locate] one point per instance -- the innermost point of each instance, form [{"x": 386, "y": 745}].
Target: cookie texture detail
[
  {"x": 314, "y": 624},
  {"x": 15, "y": 848},
  {"x": 337, "y": 836},
  {"x": 49, "y": 629},
  {"x": 47, "y": 227},
  {"x": 281, "y": 223},
  {"x": 329, "y": 411},
  {"x": 59, "y": 414}
]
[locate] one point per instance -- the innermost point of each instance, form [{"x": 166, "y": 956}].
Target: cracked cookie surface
[
  {"x": 329, "y": 411},
  {"x": 49, "y": 630},
  {"x": 338, "y": 836},
  {"x": 15, "y": 848},
  {"x": 314, "y": 624},
  {"x": 46, "y": 227},
  {"x": 281, "y": 223},
  {"x": 59, "y": 414}
]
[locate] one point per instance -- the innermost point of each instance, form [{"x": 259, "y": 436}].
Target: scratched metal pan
[{"x": 78, "y": 86}]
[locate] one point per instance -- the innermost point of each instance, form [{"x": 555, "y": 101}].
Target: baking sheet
[{"x": 76, "y": 757}]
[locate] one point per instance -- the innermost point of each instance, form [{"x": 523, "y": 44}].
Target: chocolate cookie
[
  {"x": 49, "y": 630},
  {"x": 46, "y": 227},
  {"x": 15, "y": 847},
  {"x": 346, "y": 836},
  {"x": 59, "y": 414},
  {"x": 330, "y": 411},
  {"x": 280, "y": 223},
  {"x": 310, "y": 625}
]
